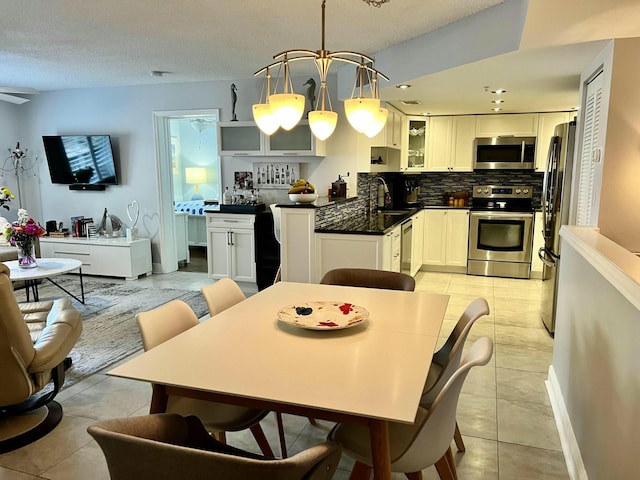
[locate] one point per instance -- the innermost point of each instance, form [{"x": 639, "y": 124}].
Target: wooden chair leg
[
  {"x": 444, "y": 471},
  {"x": 414, "y": 475},
  {"x": 452, "y": 463},
  {"x": 283, "y": 442},
  {"x": 360, "y": 472},
  {"x": 457, "y": 436},
  {"x": 222, "y": 437},
  {"x": 258, "y": 434},
  {"x": 312, "y": 421}
]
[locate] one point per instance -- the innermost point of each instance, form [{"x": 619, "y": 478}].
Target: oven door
[{"x": 501, "y": 236}]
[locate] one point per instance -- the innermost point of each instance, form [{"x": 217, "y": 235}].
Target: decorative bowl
[{"x": 303, "y": 197}]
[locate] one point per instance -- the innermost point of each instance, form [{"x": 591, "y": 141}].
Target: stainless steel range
[{"x": 501, "y": 231}]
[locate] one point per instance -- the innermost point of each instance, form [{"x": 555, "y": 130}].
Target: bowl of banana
[{"x": 302, "y": 191}]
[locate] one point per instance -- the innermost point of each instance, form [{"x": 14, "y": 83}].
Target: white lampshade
[
  {"x": 361, "y": 112},
  {"x": 379, "y": 121},
  {"x": 287, "y": 108},
  {"x": 195, "y": 175},
  {"x": 264, "y": 118},
  {"x": 322, "y": 123}
]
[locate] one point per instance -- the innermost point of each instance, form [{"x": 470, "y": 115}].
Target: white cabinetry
[
  {"x": 516, "y": 124},
  {"x": 413, "y": 157},
  {"x": 450, "y": 144},
  {"x": 392, "y": 134},
  {"x": 246, "y": 139},
  {"x": 111, "y": 257},
  {"x": 446, "y": 234},
  {"x": 181, "y": 235},
  {"x": 197, "y": 230},
  {"x": 546, "y": 125},
  {"x": 230, "y": 246},
  {"x": 416, "y": 243}
]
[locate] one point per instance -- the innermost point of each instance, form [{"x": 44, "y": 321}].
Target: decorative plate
[{"x": 323, "y": 315}]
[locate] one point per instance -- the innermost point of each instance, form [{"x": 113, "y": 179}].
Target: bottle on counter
[{"x": 227, "y": 199}]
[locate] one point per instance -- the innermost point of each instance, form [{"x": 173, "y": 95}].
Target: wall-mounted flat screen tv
[{"x": 81, "y": 159}]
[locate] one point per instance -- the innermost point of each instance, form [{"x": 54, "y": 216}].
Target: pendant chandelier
[{"x": 284, "y": 110}]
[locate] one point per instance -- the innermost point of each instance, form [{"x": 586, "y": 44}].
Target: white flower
[{"x": 23, "y": 215}]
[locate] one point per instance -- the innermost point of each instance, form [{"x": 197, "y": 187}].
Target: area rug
[{"x": 109, "y": 330}]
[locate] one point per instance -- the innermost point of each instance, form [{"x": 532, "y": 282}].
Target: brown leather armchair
[{"x": 34, "y": 346}]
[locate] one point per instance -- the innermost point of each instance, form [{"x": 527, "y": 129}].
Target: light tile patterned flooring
[{"x": 504, "y": 411}]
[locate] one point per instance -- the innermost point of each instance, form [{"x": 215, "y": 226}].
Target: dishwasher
[{"x": 406, "y": 232}]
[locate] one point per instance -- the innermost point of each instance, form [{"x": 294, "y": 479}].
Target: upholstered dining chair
[
  {"x": 363, "y": 277},
  {"x": 219, "y": 296},
  {"x": 33, "y": 353},
  {"x": 446, "y": 360},
  {"x": 426, "y": 442},
  {"x": 165, "y": 322},
  {"x": 169, "y": 446}
]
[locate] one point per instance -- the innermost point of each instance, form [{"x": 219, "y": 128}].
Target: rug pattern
[{"x": 110, "y": 332}]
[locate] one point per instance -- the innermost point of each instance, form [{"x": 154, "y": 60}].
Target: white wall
[
  {"x": 9, "y": 129},
  {"x": 126, "y": 114}
]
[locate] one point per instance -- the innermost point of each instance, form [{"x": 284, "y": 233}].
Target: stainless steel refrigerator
[{"x": 556, "y": 192}]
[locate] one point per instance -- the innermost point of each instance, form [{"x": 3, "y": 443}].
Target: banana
[{"x": 297, "y": 189}]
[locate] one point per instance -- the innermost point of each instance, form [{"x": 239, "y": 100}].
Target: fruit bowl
[{"x": 303, "y": 197}]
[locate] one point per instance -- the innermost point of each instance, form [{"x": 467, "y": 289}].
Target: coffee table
[{"x": 47, "y": 268}]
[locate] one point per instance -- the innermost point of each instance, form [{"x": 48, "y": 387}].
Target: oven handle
[
  {"x": 542, "y": 255},
  {"x": 501, "y": 215}
]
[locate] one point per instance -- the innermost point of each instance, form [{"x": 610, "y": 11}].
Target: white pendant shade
[
  {"x": 361, "y": 112},
  {"x": 265, "y": 120},
  {"x": 287, "y": 108},
  {"x": 322, "y": 123},
  {"x": 379, "y": 121}
]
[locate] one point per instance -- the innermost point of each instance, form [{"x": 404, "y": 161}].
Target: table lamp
[{"x": 196, "y": 176}]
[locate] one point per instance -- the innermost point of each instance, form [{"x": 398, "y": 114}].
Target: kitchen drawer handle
[
  {"x": 72, "y": 253},
  {"x": 230, "y": 221}
]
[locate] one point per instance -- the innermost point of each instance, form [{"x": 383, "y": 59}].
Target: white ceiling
[{"x": 61, "y": 44}]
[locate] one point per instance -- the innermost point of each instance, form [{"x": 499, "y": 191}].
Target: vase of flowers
[{"x": 23, "y": 234}]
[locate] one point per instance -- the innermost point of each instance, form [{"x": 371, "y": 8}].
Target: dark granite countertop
[
  {"x": 319, "y": 203},
  {"x": 377, "y": 224}
]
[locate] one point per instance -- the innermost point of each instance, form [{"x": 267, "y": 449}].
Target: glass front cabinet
[{"x": 417, "y": 129}]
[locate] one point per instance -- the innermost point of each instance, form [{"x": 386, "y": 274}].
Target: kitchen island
[{"x": 329, "y": 234}]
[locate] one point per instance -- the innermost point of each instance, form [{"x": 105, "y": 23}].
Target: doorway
[{"x": 189, "y": 173}]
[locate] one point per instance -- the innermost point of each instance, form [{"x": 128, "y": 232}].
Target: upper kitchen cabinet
[
  {"x": 246, "y": 139},
  {"x": 240, "y": 139},
  {"x": 391, "y": 135},
  {"x": 546, "y": 125},
  {"x": 416, "y": 134},
  {"x": 516, "y": 124},
  {"x": 450, "y": 144},
  {"x": 299, "y": 141}
]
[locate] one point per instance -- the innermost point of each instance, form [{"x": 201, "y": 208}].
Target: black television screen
[{"x": 86, "y": 159}]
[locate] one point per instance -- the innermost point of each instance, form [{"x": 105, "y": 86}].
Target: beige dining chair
[
  {"x": 364, "y": 277},
  {"x": 219, "y": 296},
  {"x": 169, "y": 447},
  {"x": 446, "y": 360},
  {"x": 165, "y": 322},
  {"x": 414, "y": 447}
]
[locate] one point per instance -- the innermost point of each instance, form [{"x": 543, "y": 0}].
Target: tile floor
[{"x": 504, "y": 412}]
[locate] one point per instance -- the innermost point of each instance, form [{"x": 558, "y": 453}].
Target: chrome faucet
[{"x": 387, "y": 195}]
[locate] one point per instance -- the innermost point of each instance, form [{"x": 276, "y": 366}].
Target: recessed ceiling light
[
  {"x": 499, "y": 100},
  {"x": 499, "y": 91},
  {"x": 403, "y": 86},
  {"x": 497, "y": 109},
  {"x": 158, "y": 73},
  {"x": 410, "y": 102},
  {"x": 426, "y": 113}
]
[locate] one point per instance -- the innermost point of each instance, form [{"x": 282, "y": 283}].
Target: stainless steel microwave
[{"x": 505, "y": 153}]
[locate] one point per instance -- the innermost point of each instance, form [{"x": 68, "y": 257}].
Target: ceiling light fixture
[
  {"x": 403, "y": 86},
  {"x": 499, "y": 100},
  {"x": 499, "y": 91},
  {"x": 287, "y": 108},
  {"x": 497, "y": 109}
]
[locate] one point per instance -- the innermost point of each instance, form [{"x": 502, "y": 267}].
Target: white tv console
[{"x": 111, "y": 257}]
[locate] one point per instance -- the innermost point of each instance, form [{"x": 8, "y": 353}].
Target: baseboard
[{"x": 568, "y": 440}]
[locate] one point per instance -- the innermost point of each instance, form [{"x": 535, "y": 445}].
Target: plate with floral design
[{"x": 323, "y": 315}]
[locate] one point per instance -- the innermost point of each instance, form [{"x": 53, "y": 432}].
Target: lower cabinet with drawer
[
  {"x": 230, "y": 246},
  {"x": 110, "y": 257},
  {"x": 446, "y": 234}
]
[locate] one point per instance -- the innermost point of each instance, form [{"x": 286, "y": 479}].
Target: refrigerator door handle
[{"x": 542, "y": 255}]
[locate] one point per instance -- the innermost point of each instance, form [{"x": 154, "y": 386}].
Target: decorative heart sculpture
[{"x": 133, "y": 212}]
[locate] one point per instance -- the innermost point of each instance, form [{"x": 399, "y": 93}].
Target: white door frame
[{"x": 169, "y": 259}]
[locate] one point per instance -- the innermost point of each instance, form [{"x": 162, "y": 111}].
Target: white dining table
[{"x": 372, "y": 373}]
